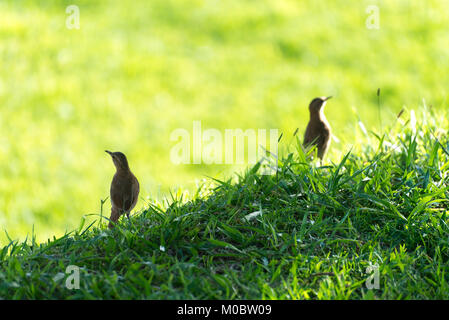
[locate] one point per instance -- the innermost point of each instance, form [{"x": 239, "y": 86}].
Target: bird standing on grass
[
  {"x": 318, "y": 131},
  {"x": 124, "y": 188}
]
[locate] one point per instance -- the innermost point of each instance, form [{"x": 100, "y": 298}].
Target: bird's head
[
  {"x": 317, "y": 104},
  {"x": 119, "y": 160}
]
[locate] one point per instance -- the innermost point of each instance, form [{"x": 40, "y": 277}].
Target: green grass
[
  {"x": 137, "y": 70},
  {"x": 318, "y": 229}
]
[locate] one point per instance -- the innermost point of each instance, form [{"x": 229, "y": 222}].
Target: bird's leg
[{"x": 129, "y": 220}]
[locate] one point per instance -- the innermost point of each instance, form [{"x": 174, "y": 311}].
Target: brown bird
[
  {"x": 318, "y": 131},
  {"x": 124, "y": 188}
]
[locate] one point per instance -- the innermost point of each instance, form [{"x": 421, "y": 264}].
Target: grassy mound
[{"x": 378, "y": 219}]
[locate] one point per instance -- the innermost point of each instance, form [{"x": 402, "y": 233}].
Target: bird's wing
[
  {"x": 307, "y": 139},
  {"x": 121, "y": 195},
  {"x": 130, "y": 193},
  {"x": 135, "y": 193},
  {"x": 324, "y": 136},
  {"x": 312, "y": 136}
]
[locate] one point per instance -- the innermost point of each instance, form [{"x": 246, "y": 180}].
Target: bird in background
[
  {"x": 124, "y": 188},
  {"x": 318, "y": 131}
]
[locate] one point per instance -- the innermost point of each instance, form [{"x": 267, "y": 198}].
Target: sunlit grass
[{"x": 307, "y": 232}]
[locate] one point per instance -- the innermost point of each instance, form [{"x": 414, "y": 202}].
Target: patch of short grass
[{"x": 307, "y": 232}]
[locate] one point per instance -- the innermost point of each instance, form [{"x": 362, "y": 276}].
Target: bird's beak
[
  {"x": 110, "y": 153},
  {"x": 327, "y": 98}
]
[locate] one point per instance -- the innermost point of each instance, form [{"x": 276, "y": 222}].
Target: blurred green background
[{"x": 137, "y": 70}]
